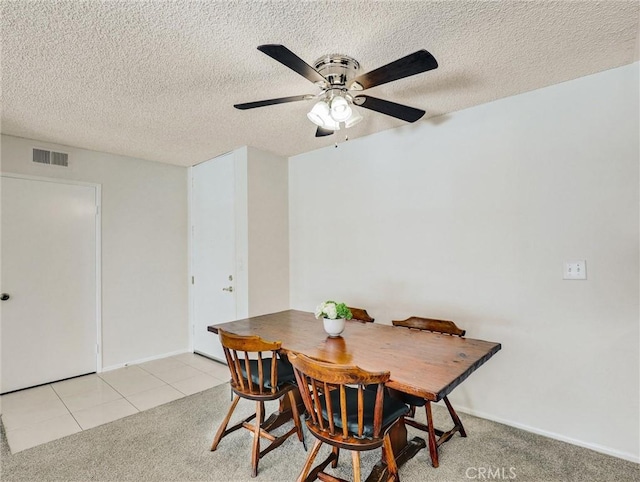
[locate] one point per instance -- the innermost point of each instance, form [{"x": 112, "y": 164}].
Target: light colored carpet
[{"x": 171, "y": 443}]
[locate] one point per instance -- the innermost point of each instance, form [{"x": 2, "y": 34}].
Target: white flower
[{"x": 330, "y": 311}]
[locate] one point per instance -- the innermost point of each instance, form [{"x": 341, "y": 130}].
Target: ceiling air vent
[{"x": 50, "y": 157}]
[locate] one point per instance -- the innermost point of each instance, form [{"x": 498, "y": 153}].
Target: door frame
[
  {"x": 98, "y": 248},
  {"x": 190, "y": 257}
]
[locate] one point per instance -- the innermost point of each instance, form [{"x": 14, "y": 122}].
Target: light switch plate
[{"x": 575, "y": 269}]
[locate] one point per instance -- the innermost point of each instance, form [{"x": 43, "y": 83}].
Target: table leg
[
  {"x": 403, "y": 450},
  {"x": 457, "y": 423},
  {"x": 433, "y": 444}
]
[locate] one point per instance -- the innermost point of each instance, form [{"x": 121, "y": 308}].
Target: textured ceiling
[{"x": 157, "y": 80}]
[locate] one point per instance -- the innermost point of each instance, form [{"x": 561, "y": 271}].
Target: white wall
[
  {"x": 470, "y": 218},
  {"x": 268, "y": 232},
  {"x": 262, "y": 232},
  {"x": 144, "y": 246}
]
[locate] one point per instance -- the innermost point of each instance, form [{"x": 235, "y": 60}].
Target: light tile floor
[{"x": 38, "y": 415}]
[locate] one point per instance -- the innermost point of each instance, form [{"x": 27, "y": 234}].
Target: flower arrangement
[{"x": 333, "y": 310}]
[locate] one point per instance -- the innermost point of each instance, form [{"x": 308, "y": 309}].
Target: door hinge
[
  {"x": 193, "y": 280},
  {"x": 97, "y": 349},
  {"x": 97, "y": 210}
]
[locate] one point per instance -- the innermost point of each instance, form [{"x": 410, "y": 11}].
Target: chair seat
[
  {"x": 412, "y": 399},
  {"x": 284, "y": 368},
  {"x": 392, "y": 410}
]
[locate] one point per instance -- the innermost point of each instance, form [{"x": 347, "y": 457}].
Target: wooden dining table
[{"x": 428, "y": 365}]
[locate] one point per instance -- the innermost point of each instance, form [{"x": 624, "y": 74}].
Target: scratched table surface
[{"x": 425, "y": 364}]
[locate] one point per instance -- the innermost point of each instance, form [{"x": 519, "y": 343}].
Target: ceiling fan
[{"x": 340, "y": 87}]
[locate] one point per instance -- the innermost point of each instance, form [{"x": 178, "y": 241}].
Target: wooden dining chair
[
  {"x": 258, "y": 373},
  {"x": 359, "y": 314},
  {"x": 445, "y": 327},
  {"x": 343, "y": 414}
]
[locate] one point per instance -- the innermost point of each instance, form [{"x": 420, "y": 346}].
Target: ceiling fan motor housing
[{"x": 338, "y": 69}]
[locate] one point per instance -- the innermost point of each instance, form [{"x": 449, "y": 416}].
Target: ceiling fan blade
[
  {"x": 280, "y": 100},
  {"x": 404, "y": 112},
  {"x": 415, "y": 63},
  {"x": 320, "y": 132},
  {"x": 286, "y": 57}
]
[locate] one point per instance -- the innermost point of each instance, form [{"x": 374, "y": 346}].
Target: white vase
[{"x": 334, "y": 327}]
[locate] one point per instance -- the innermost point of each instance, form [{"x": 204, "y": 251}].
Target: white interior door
[
  {"x": 213, "y": 251},
  {"x": 48, "y": 324}
]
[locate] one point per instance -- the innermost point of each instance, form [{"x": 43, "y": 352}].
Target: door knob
[
  {"x": 4, "y": 296},
  {"x": 230, "y": 289}
]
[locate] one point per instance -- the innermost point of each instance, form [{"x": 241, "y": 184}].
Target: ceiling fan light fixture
[
  {"x": 353, "y": 119},
  {"x": 320, "y": 115},
  {"x": 340, "y": 109},
  {"x": 332, "y": 125}
]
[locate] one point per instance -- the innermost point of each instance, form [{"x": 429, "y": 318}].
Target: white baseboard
[
  {"x": 556, "y": 436},
  {"x": 143, "y": 360}
]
